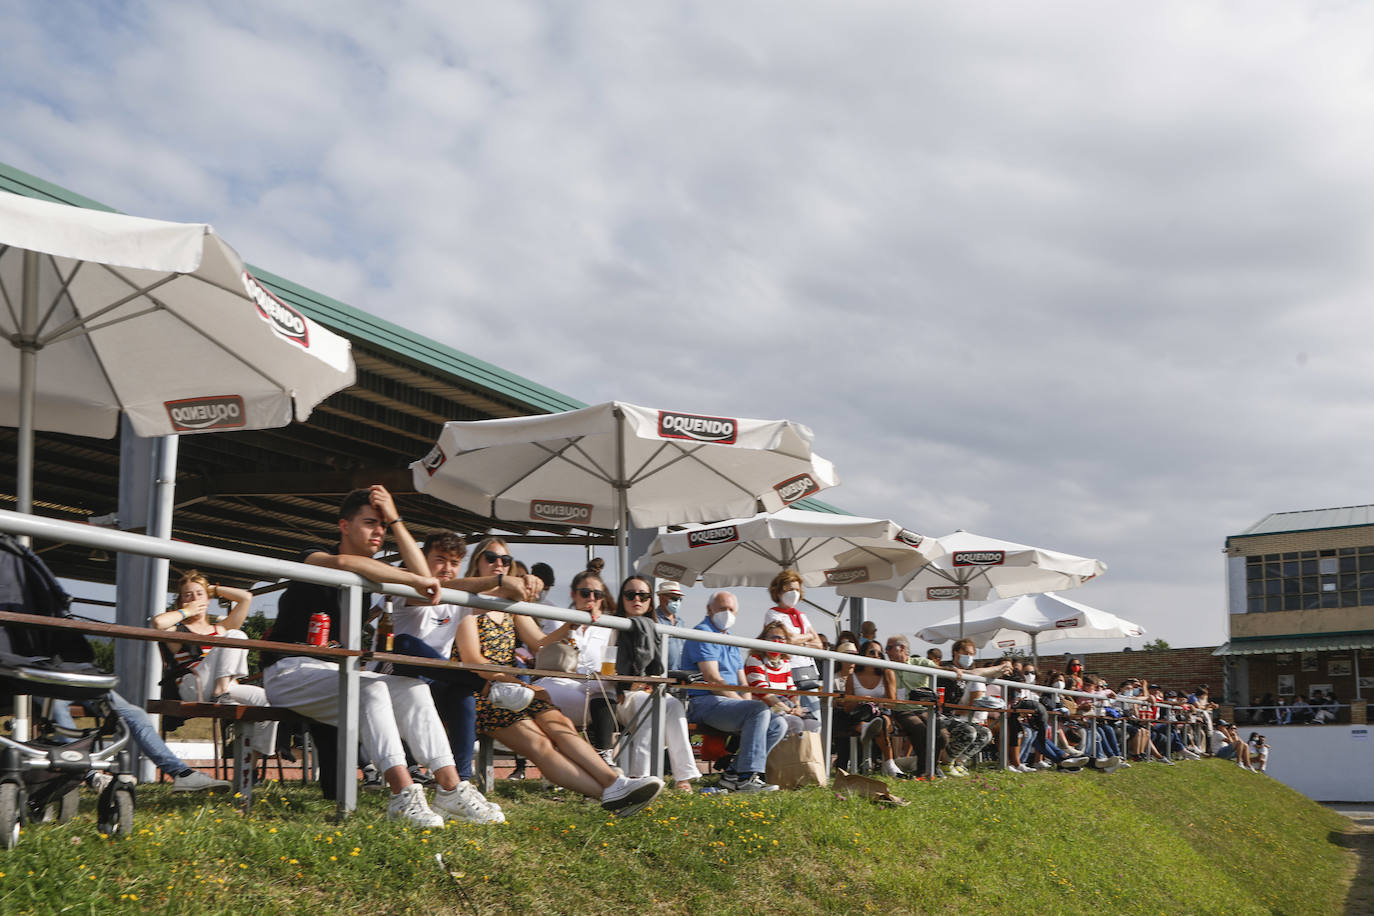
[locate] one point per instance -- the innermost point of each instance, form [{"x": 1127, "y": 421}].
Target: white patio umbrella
[
  {"x": 827, "y": 550},
  {"x": 159, "y": 320},
  {"x": 617, "y": 464},
  {"x": 1019, "y": 621},
  {"x": 974, "y": 566}
]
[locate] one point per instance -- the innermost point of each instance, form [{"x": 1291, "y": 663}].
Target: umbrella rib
[
  {"x": 79, "y": 321},
  {"x": 634, "y": 478},
  {"x": 9, "y": 303},
  {"x": 92, "y": 328},
  {"x": 692, "y": 455},
  {"x": 57, "y": 297}
]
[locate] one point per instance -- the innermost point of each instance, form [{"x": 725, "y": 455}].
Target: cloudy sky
[{"x": 1091, "y": 275}]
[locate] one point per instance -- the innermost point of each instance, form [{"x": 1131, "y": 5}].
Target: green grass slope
[{"x": 1198, "y": 838}]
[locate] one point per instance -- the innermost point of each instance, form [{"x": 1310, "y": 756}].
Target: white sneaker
[
  {"x": 98, "y": 780},
  {"x": 1107, "y": 764},
  {"x": 1025, "y": 768},
  {"x": 734, "y": 782},
  {"x": 891, "y": 770},
  {"x": 466, "y": 804},
  {"x": 409, "y": 805},
  {"x": 628, "y": 796},
  {"x": 1044, "y": 765},
  {"x": 196, "y": 781}
]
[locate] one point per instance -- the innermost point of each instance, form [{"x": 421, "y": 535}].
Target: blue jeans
[
  {"x": 758, "y": 729},
  {"x": 140, "y": 727},
  {"x": 1106, "y": 744},
  {"x": 455, "y": 699}
]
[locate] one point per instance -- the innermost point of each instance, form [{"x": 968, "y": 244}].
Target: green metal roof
[
  {"x": 1310, "y": 520},
  {"x": 1327, "y": 642}
]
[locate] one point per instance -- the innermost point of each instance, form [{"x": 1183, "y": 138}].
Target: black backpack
[{"x": 27, "y": 586}]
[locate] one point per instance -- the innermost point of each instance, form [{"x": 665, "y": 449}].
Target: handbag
[
  {"x": 806, "y": 677},
  {"x": 559, "y": 656},
  {"x": 797, "y": 761}
]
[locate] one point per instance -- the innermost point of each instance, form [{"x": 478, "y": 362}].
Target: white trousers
[
  {"x": 390, "y": 708},
  {"x": 640, "y": 755},
  {"x": 199, "y": 685}
]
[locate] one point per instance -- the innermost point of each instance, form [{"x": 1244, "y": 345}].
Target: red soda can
[
  {"x": 940, "y": 696},
  {"x": 318, "y": 632}
]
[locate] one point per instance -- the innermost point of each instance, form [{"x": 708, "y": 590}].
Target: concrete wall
[{"x": 1323, "y": 762}]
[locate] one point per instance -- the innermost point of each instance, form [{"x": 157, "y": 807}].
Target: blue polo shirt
[{"x": 729, "y": 659}]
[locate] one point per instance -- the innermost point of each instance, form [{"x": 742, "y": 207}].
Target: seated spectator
[
  {"x": 966, "y": 738},
  {"x": 587, "y": 702},
  {"x": 773, "y": 670},
  {"x": 635, "y": 706},
  {"x": 1259, "y": 753},
  {"x": 1283, "y": 715},
  {"x": 525, "y": 720},
  {"x": 429, "y": 630},
  {"x": 728, "y": 710},
  {"x": 1324, "y": 708},
  {"x": 1301, "y": 710},
  {"x": 869, "y": 693},
  {"x": 935, "y": 655},
  {"x": 787, "y": 591},
  {"x": 211, "y": 673},
  {"x": 912, "y": 721},
  {"x": 868, "y": 632},
  {"x": 669, "y": 604},
  {"x": 1037, "y": 735},
  {"x": 391, "y": 709}
]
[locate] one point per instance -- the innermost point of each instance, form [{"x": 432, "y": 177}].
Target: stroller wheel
[
  {"x": 9, "y": 815},
  {"x": 116, "y": 811},
  {"x": 65, "y": 808}
]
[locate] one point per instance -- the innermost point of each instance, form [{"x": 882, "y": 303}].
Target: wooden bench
[{"x": 242, "y": 770}]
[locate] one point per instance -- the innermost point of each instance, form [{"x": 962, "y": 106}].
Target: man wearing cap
[{"x": 669, "y": 603}]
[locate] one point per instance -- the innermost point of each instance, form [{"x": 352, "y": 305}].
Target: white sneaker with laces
[
  {"x": 196, "y": 781},
  {"x": 466, "y": 804},
  {"x": 628, "y": 796},
  {"x": 1025, "y": 768},
  {"x": 409, "y": 805},
  {"x": 734, "y": 782}
]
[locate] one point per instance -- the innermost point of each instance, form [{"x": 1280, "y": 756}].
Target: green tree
[{"x": 1157, "y": 645}]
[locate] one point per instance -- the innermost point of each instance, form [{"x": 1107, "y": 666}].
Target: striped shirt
[{"x": 758, "y": 673}]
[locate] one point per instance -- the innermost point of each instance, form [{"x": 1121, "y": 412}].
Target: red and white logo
[
  {"x": 909, "y": 538},
  {"x": 719, "y": 430},
  {"x": 980, "y": 557},
  {"x": 946, "y": 592},
  {"x": 669, "y": 571},
  {"x": 1067, "y": 623},
  {"x": 709, "y": 537},
  {"x": 433, "y": 461},
  {"x": 846, "y": 575},
  {"x": 1005, "y": 643},
  {"x": 794, "y": 488},
  {"x": 282, "y": 318},
  {"x": 190, "y": 415},
  {"x": 564, "y": 513}
]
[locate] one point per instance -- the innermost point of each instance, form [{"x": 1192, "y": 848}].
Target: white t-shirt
[{"x": 435, "y": 625}]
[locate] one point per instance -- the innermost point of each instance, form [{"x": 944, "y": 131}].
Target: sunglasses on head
[
  {"x": 493, "y": 557},
  {"x": 636, "y": 596},
  {"x": 591, "y": 593}
]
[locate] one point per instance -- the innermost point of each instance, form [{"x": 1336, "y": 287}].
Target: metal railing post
[
  {"x": 658, "y": 715},
  {"x": 827, "y": 669},
  {"x": 346, "y": 772}
]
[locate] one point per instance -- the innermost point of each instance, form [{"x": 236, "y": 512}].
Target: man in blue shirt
[{"x": 730, "y": 710}]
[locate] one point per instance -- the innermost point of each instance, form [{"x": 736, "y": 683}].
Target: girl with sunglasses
[
  {"x": 636, "y": 601},
  {"x": 774, "y": 670},
  {"x": 869, "y": 689},
  {"x": 540, "y": 731},
  {"x": 587, "y": 702}
]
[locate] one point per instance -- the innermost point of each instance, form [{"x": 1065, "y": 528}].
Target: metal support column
[{"x": 347, "y": 771}]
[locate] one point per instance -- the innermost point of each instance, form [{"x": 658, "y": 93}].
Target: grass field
[{"x": 1196, "y": 838}]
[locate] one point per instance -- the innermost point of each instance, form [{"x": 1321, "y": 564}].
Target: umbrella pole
[
  {"x": 1035, "y": 653},
  {"x": 622, "y": 530},
  {"x": 28, "y": 383}
]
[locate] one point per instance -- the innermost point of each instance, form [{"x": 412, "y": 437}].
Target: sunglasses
[
  {"x": 493, "y": 557},
  {"x": 591, "y": 593},
  {"x": 775, "y": 638},
  {"x": 636, "y": 596}
]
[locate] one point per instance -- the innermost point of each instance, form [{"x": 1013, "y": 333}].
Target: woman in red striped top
[{"x": 774, "y": 670}]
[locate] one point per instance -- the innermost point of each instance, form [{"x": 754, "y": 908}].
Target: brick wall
[{"x": 1178, "y": 669}]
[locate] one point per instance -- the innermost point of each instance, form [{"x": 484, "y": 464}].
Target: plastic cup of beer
[{"x": 608, "y": 666}]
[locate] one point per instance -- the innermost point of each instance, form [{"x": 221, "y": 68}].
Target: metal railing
[{"x": 353, "y": 586}]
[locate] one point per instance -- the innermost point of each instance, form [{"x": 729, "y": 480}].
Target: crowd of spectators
[{"x": 418, "y": 724}]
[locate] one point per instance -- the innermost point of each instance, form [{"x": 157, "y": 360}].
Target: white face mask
[
  {"x": 1058, "y": 684},
  {"x": 790, "y": 598},
  {"x": 723, "y": 620},
  {"x": 963, "y": 661},
  {"x": 1030, "y": 678}
]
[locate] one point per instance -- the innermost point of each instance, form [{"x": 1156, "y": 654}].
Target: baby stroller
[{"x": 41, "y": 778}]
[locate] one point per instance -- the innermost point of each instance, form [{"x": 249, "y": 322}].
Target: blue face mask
[{"x": 673, "y": 606}]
